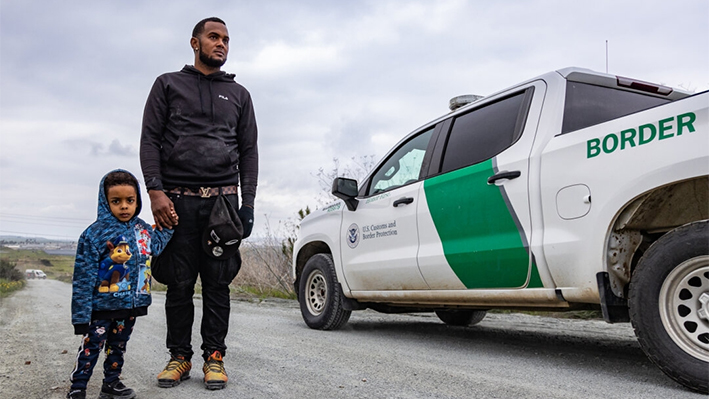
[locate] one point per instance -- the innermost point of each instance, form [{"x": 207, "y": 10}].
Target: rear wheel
[
  {"x": 669, "y": 304},
  {"x": 461, "y": 317},
  {"x": 320, "y": 295}
]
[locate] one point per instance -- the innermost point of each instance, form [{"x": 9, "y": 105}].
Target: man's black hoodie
[{"x": 199, "y": 131}]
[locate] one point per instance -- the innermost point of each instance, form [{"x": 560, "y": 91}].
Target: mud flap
[
  {"x": 351, "y": 304},
  {"x": 615, "y": 309}
]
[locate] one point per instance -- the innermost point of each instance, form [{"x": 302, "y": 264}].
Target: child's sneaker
[
  {"x": 76, "y": 394},
  {"x": 214, "y": 374},
  {"x": 116, "y": 390},
  {"x": 176, "y": 371}
]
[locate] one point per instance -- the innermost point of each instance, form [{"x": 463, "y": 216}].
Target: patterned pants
[{"x": 113, "y": 334}]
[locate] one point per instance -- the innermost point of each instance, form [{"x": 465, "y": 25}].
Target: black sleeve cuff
[
  {"x": 81, "y": 329},
  {"x": 154, "y": 184}
]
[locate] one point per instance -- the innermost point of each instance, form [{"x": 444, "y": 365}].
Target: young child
[{"x": 111, "y": 284}]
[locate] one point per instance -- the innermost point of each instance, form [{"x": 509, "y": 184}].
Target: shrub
[
  {"x": 9, "y": 272},
  {"x": 7, "y": 286}
]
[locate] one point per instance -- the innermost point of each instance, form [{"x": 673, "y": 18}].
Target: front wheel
[
  {"x": 320, "y": 295},
  {"x": 669, "y": 304}
]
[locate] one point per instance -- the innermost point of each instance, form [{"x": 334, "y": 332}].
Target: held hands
[
  {"x": 163, "y": 210},
  {"x": 246, "y": 214},
  {"x": 165, "y": 216}
]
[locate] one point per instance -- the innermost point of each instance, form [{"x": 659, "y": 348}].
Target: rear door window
[
  {"x": 485, "y": 132},
  {"x": 587, "y": 105}
]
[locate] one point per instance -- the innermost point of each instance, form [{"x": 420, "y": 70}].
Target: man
[{"x": 198, "y": 141}]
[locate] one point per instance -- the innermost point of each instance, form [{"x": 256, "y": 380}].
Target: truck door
[
  {"x": 474, "y": 217},
  {"x": 380, "y": 238}
]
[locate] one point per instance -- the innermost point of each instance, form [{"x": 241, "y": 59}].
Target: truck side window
[
  {"x": 403, "y": 166},
  {"x": 485, "y": 132},
  {"x": 587, "y": 105}
]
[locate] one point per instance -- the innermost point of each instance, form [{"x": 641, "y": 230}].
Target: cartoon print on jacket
[
  {"x": 145, "y": 275},
  {"x": 145, "y": 279},
  {"x": 113, "y": 272}
]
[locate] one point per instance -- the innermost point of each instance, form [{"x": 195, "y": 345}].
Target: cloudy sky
[{"x": 329, "y": 79}]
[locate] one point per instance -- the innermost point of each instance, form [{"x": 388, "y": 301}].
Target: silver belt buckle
[{"x": 205, "y": 192}]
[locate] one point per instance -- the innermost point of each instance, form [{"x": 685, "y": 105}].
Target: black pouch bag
[{"x": 222, "y": 236}]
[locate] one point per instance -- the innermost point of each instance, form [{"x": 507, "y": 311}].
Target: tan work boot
[
  {"x": 176, "y": 371},
  {"x": 214, "y": 374}
]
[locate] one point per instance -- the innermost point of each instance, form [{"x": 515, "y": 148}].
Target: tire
[
  {"x": 320, "y": 295},
  {"x": 669, "y": 304},
  {"x": 461, "y": 317}
]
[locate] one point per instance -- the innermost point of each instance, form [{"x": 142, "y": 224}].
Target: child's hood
[{"x": 104, "y": 210}]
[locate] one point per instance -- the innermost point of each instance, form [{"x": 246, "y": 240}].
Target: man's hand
[
  {"x": 246, "y": 214},
  {"x": 163, "y": 210}
]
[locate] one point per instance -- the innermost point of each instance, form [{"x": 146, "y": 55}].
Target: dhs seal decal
[{"x": 352, "y": 235}]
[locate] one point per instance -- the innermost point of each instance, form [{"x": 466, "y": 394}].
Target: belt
[{"x": 204, "y": 192}]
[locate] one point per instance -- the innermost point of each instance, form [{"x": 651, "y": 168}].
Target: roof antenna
[{"x": 606, "y": 56}]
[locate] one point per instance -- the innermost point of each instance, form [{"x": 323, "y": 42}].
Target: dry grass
[{"x": 265, "y": 271}]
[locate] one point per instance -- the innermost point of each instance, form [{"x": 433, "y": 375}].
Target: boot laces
[
  {"x": 174, "y": 363},
  {"x": 215, "y": 363}
]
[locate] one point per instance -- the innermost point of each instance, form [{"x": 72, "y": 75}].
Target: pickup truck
[{"x": 572, "y": 190}]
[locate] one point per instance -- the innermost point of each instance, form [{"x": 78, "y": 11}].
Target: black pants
[{"x": 178, "y": 267}]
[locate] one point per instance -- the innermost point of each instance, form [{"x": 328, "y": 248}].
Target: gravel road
[{"x": 272, "y": 354}]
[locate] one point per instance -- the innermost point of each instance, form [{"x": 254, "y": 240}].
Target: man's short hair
[
  {"x": 119, "y": 178},
  {"x": 199, "y": 28}
]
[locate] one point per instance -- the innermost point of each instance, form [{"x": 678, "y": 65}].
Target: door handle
[
  {"x": 504, "y": 175},
  {"x": 404, "y": 201}
]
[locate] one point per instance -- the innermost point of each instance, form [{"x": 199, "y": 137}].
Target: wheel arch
[
  {"x": 645, "y": 219},
  {"x": 306, "y": 252}
]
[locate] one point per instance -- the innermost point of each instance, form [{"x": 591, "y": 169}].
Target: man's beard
[{"x": 210, "y": 62}]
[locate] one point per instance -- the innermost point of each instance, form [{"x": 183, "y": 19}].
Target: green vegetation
[
  {"x": 11, "y": 279},
  {"x": 58, "y": 267},
  {"x": 7, "y": 286},
  {"x": 155, "y": 286},
  {"x": 8, "y": 271},
  {"x": 262, "y": 293}
]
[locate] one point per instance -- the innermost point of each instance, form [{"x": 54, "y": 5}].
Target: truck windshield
[{"x": 588, "y": 105}]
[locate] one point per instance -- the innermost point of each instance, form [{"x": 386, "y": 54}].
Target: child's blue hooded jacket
[{"x": 103, "y": 280}]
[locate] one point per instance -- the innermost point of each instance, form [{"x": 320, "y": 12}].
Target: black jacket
[{"x": 199, "y": 131}]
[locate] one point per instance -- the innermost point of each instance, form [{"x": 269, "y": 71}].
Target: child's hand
[{"x": 163, "y": 210}]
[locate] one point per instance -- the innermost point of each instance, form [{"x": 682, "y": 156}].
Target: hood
[
  {"x": 104, "y": 210},
  {"x": 219, "y": 76}
]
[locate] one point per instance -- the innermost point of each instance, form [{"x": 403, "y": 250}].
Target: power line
[
  {"x": 3, "y": 214},
  {"x": 47, "y": 221},
  {"x": 23, "y": 219},
  {"x": 75, "y": 224},
  {"x": 37, "y": 235}
]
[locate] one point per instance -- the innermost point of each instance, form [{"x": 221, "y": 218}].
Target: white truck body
[{"x": 570, "y": 208}]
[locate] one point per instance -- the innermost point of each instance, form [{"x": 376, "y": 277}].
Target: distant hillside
[{"x": 38, "y": 240}]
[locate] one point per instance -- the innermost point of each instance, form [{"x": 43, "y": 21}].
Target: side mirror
[{"x": 346, "y": 189}]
